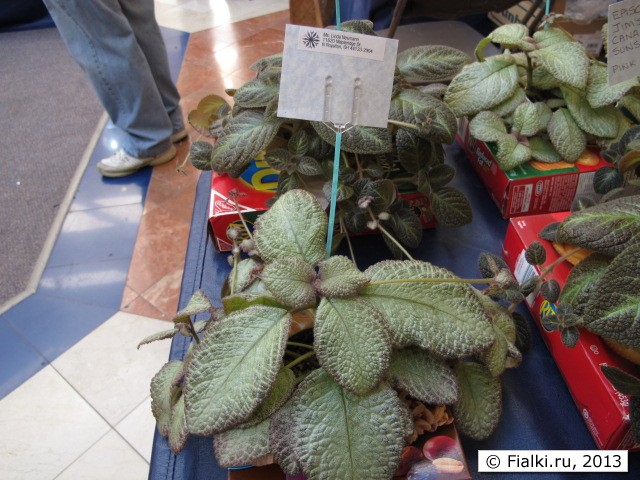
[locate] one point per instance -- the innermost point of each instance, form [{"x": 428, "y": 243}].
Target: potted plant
[
  {"x": 376, "y": 163},
  {"x": 309, "y": 359},
  {"x": 542, "y": 99}
]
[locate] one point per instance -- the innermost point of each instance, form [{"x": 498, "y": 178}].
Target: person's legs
[
  {"x": 141, "y": 17},
  {"x": 101, "y": 40}
]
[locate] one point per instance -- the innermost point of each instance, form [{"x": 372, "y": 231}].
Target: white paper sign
[
  {"x": 336, "y": 76},
  {"x": 623, "y": 54}
]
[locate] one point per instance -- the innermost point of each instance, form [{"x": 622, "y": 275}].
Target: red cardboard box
[
  {"x": 534, "y": 187},
  {"x": 259, "y": 183},
  {"x": 605, "y": 411}
]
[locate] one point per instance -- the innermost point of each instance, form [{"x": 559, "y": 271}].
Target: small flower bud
[
  {"x": 372, "y": 224},
  {"x": 233, "y": 233},
  {"x": 365, "y": 201},
  {"x": 384, "y": 216}
]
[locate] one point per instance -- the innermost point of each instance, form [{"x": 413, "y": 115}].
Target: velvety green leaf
[
  {"x": 543, "y": 79},
  {"x": 264, "y": 63},
  {"x": 159, "y": 336},
  {"x": 299, "y": 142},
  {"x": 606, "y": 228},
  {"x": 406, "y": 226},
  {"x": 512, "y": 36},
  {"x": 245, "y": 275},
  {"x": 161, "y": 394},
  {"x": 582, "y": 281},
  {"x": 365, "y": 140},
  {"x": 543, "y": 150},
  {"x": 258, "y": 92},
  {"x": 567, "y": 61},
  {"x": 487, "y": 126},
  {"x": 281, "y": 440},
  {"x": 233, "y": 368},
  {"x": 478, "y": 409},
  {"x": 551, "y": 36},
  {"x": 383, "y": 194},
  {"x": 423, "y": 376},
  {"x": 450, "y": 207},
  {"x": 502, "y": 353},
  {"x": 240, "y": 301},
  {"x": 441, "y": 175},
  {"x": 601, "y": 122},
  {"x": 570, "y": 336},
  {"x": 566, "y": 136},
  {"x": 413, "y": 151},
  {"x": 445, "y": 318},
  {"x": 494, "y": 357},
  {"x": 339, "y": 277},
  {"x": 434, "y": 89},
  {"x": 242, "y": 138},
  {"x": 352, "y": 343},
  {"x": 511, "y": 153},
  {"x": 431, "y": 63},
  {"x": 599, "y": 92},
  {"x": 309, "y": 166},
  {"x": 242, "y": 446},
  {"x": 364, "y": 27},
  {"x": 290, "y": 280},
  {"x": 178, "y": 432},
  {"x": 280, "y": 159},
  {"x": 535, "y": 253},
  {"x": 631, "y": 104},
  {"x": 331, "y": 424},
  {"x": 435, "y": 119},
  {"x": 508, "y": 106},
  {"x": 200, "y": 155},
  {"x": 295, "y": 226},
  {"x": 622, "y": 381},
  {"x": 482, "y": 85},
  {"x": 634, "y": 414},
  {"x": 612, "y": 309}
]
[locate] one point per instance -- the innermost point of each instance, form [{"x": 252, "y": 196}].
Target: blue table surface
[{"x": 538, "y": 411}]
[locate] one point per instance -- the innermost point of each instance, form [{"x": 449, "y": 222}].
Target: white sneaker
[
  {"x": 179, "y": 135},
  {"x": 121, "y": 164}
]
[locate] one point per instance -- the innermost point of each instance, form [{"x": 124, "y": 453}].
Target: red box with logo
[
  {"x": 604, "y": 410},
  {"x": 535, "y": 187},
  {"x": 257, "y": 184}
]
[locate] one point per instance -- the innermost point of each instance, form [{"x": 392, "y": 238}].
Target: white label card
[
  {"x": 623, "y": 54},
  {"x": 336, "y": 76}
]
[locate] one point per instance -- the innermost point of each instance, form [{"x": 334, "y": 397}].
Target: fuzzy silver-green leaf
[
  {"x": 478, "y": 409},
  {"x": 423, "y": 376},
  {"x": 290, "y": 280},
  {"x": 431, "y": 63},
  {"x": 599, "y": 92},
  {"x": 511, "y": 153},
  {"x": 295, "y": 226},
  {"x": 340, "y": 435},
  {"x": 258, "y": 92},
  {"x": 339, "y": 277},
  {"x": 566, "y": 136},
  {"x": 601, "y": 122},
  {"x": 566, "y": 61},
  {"x": 443, "y": 317},
  {"x": 482, "y": 85},
  {"x": 161, "y": 393},
  {"x": 543, "y": 150},
  {"x": 508, "y": 106},
  {"x": 233, "y": 368},
  {"x": 281, "y": 441},
  {"x": 613, "y": 309},
  {"x": 352, "y": 343},
  {"x": 178, "y": 432},
  {"x": 487, "y": 126},
  {"x": 512, "y": 35},
  {"x": 280, "y": 392},
  {"x": 242, "y": 446}
]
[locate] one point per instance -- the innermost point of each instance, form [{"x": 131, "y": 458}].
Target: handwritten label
[
  {"x": 336, "y": 76},
  {"x": 623, "y": 41}
]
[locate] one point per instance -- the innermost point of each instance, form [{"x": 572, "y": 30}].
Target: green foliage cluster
[
  {"x": 324, "y": 400},
  {"x": 371, "y": 158},
  {"x": 543, "y": 99}
]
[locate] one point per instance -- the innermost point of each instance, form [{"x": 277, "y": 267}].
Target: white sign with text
[
  {"x": 623, "y": 41},
  {"x": 336, "y": 76}
]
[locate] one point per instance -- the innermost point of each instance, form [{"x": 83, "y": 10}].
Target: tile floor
[{"x": 74, "y": 395}]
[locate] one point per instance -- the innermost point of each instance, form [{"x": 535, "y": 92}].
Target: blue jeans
[{"x": 119, "y": 45}]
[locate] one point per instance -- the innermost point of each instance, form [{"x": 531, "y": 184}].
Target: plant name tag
[
  {"x": 336, "y": 76},
  {"x": 623, "y": 42}
]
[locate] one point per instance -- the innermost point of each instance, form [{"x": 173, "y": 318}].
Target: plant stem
[
  {"x": 299, "y": 344},
  {"x": 292, "y": 353},
  {"x": 529, "y": 72},
  {"x": 358, "y": 166},
  {"x": 389, "y": 235},
  {"x": 234, "y": 277},
  {"x": 244, "y": 223},
  {"x": 300, "y": 359},
  {"x": 433, "y": 280},
  {"x": 403, "y": 124},
  {"x": 558, "y": 261},
  {"x": 343, "y": 228}
]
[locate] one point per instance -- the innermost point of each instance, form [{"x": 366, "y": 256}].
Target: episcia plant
[
  {"x": 311, "y": 360},
  {"x": 542, "y": 99},
  {"x": 628, "y": 385},
  {"x": 624, "y": 156},
  {"x": 602, "y": 292},
  {"x": 377, "y": 166}
]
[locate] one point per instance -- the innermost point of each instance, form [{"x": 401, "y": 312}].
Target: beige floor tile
[
  {"x": 138, "y": 428},
  {"x": 45, "y": 425},
  {"x": 110, "y": 458},
  {"x": 109, "y": 371}
]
